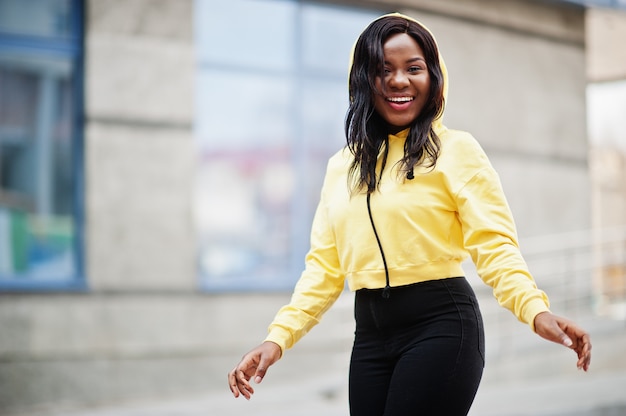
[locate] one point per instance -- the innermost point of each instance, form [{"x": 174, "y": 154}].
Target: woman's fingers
[
  {"x": 581, "y": 341},
  {"x": 563, "y": 331},
  {"x": 235, "y": 385},
  {"x": 253, "y": 364},
  {"x": 584, "y": 352},
  {"x": 239, "y": 377}
]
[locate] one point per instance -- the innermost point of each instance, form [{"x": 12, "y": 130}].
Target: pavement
[
  {"x": 585, "y": 394},
  {"x": 524, "y": 376}
]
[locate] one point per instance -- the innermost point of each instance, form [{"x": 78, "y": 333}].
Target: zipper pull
[{"x": 386, "y": 292}]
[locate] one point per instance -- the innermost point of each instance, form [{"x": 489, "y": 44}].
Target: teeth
[{"x": 400, "y": 99}]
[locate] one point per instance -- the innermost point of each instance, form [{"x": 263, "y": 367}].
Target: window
[
  {"x": 40, "y": 145},
  {"x": 600, "y": 3},
  {"x": 270, "y": 105}
]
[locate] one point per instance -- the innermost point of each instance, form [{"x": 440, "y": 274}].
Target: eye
[{"x": 415, "y": 68}]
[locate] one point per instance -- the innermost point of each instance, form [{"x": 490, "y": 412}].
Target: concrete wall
[
  {"x": 141, "y": 321},
  {"x": 139, "y": 145},
  {"x": 143, "y": 328},
  {"x": 606, "y": 56}
]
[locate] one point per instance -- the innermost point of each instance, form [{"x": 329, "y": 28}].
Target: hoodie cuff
[
  {"x": 281, "y": 337},
  {"x": 534, "y": 308}
]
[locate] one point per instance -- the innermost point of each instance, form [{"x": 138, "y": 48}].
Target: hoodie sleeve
[
  {"x": 318, "y": 288},
  {"x": 490, "y": 237}
]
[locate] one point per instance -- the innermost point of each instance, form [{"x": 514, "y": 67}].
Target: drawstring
[{"x": 387, "y": 288}]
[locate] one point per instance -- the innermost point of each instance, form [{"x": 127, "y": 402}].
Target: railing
[{"x": 583, "y": 273}]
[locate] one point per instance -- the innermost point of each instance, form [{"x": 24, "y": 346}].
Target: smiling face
[{"x": 404, "y": 88}]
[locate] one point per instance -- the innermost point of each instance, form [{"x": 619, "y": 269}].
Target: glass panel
[
  {"x": 244, "y": 183},
  {"x": 324, "y": 104},
  {"x": 239, "y": 110},
  {"x": 36, "y": 17},
  {"x": 254, "y": 34},
  {"x": 36, "y": 189},
  {"x": 268, "y": 116},
  {"x": 243, "y": 206},
  {"x": 328, "y": 35}
]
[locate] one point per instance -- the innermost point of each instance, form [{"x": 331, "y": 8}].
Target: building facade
[
  {"x": 195, "y": 144},
  {"x": 607, "y": 157}
]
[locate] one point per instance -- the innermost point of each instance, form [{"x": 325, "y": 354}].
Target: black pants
[{"x": 419, "y": 352}]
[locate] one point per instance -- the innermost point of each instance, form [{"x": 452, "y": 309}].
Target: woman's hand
[
  {"x": 254, "y": 363},
  {"x": 565, "y": 332}
]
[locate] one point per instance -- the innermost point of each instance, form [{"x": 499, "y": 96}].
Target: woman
[{"x": 401, "y": 207}]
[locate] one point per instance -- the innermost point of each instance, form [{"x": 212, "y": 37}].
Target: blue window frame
[
  {"x": 618, "y": 4},
  {"x": 271, "y": 98},
  {"x": 41, "y": 155}
]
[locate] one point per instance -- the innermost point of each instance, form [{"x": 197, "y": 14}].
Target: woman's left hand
[{"x": 565, "y": 332}]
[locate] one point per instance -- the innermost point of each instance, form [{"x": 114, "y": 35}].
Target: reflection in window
[
  {"x": 47, "y": 18},
  {"x": 271, "y": 100},
  {"x": 37, "y": 147}
]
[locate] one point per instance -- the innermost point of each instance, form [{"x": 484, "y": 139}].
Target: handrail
[
  {"x": 582, "y": 271},
  {"x": 572, "y": 239}
]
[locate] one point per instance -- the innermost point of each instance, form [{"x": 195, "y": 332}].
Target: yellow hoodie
[{"x": 427, "y": 227}]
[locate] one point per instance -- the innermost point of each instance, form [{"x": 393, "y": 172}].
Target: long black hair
[{"x": 366, "y": 131}]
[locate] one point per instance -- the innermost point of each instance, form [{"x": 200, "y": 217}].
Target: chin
[{"x": 400, "y": 126}]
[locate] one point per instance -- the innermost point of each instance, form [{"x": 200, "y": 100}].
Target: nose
[{"x": 398, "y": 79}]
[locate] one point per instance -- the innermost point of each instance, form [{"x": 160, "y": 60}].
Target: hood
[{"x": 438, "y": 122}]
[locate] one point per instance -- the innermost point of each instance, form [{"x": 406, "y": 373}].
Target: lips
[
  {"x": 399, "y": 99},
  {"x": 399, "y": 103}
]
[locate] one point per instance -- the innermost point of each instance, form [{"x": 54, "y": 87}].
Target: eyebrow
[{"x": 412, "y": 60}]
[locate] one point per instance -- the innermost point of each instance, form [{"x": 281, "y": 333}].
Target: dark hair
[{"x": 366, "y": 131}]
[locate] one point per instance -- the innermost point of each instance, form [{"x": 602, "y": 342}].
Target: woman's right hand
[{"x": 254, "y": 364}]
